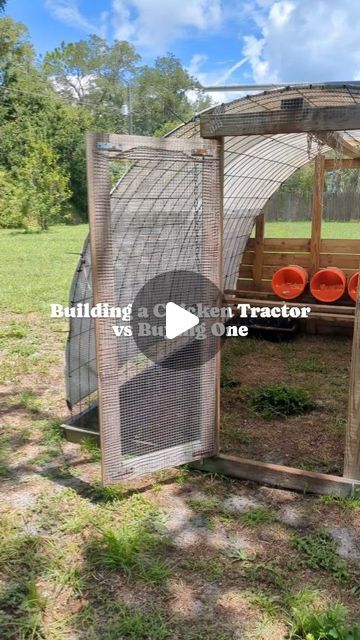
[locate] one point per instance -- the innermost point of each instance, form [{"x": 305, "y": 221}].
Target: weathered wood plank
[
  {"x": 340, "y": 246},
  {"x": 343, "y": 163},
  {"x": 259, "y": 250},
  {"x": 278, "y": 475},
  {"x": 246, "y": 270},
  {"x": 249, "y": 284},
  {"x": 352, "y": 437},
  {"x": 301, "y": 245},
  {"x": 316, "y": 308},
  {"x": 317, "y": 213},
  {"x": 336, "y": 141},
  {"x": 342, "y": 261},
  {"x": 312, "y": 119}
]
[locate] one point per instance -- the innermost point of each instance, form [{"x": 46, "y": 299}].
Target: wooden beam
[
  {"x": 342, "y": 163},
  {"x": 352, "y": 438},
  {"x": 310, "y": 119},
  {"x": 259, "y": 250},
  {"x": 317, "y": 213},
  {"x": 315, "y": 308},
  {"x": 335, "y": 140},
  {"x": 278, "y": 475},
  {"x": 221, "y": 174}
]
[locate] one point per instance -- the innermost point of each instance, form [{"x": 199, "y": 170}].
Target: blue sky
[{"x": 219, "y": 41}]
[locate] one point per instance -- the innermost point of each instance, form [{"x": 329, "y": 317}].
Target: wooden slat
[
  {"x": 340, "y": 246},
  {"x": 352, "y": 438},
  {"x": 249, "y": 284},
  {"x": 316, "y": 308},
  {"x": 339, "y": 260},
  {"x": 343, "y": 163},
  {"x": 259, "y": 250},
  {"x": 317, "y": 213},
  {"x": 312, "y": 119},
  {"x": 336, "y": 141},
  {"x": 342, "y": 261},
  {"x": 246, "y": 271},
  {"x": 277, "y": 475},
  {"x": 301, "y": 245},
  {"x": 282, "y": 259}
]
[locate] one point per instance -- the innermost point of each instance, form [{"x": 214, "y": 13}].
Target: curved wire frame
[{"x": 254, "y": 168}]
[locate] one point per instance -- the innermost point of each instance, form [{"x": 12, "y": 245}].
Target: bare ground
[{"x": 227, "y": 577}]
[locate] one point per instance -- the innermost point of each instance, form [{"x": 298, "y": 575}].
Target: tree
[
  {"x": 161, "y": 95},
  {"x": 96, "y": 75},
  {"x": 36, "y": 193},
  {"x": 2, "y": 5}
]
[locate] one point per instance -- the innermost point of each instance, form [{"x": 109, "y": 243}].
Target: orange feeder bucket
[
  {"x": 353, "y": 285},
  {"x": 328, "y": 285},
  {"x": 289, "y": 282}
]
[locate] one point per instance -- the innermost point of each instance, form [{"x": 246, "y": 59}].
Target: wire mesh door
[{"x": 161, "y": 214}]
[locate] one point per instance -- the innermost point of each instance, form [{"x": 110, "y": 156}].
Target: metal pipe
[{"x": 269, "y": 87}]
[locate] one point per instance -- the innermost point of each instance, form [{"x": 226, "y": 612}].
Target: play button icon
[
  {"x": 178, "y": 320},
  {"x": 169, "y": 324}
]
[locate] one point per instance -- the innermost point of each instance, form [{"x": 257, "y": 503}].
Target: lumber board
[
  {"x": 321, "y": 308},
  {"x": 352, "y": 437},
  {"x": 342, "y": 163},
  {"x": 301, "y": 245},
  {"x": 257, "y": 271},
  {"x": 278, "y": 475},
  {"x": 277, "y": 259},
  {"x": 336, "y": 141},
  {"x": 308, "y": 119},
  {"x": 246, "y": 271},
  {"x": 317, "y": 213},
  {"x": 249, "y": 284}
]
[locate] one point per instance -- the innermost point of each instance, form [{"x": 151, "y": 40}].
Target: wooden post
[
  {"x": 317, "y": 212},
  {"x": 259, "y": 251},
  {"x": 352, "y": 439},
  {"x": 221, "y": 289}
]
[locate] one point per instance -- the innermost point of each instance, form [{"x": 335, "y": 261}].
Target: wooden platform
[{"x": 264, "y": 256}]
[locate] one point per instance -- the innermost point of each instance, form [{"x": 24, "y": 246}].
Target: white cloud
[
  {"x": 156, "y": 24},
  {"x": 68, "y": 12},
  {"x": 212, "y": 78},
  {"x": 304, "y": 40}
]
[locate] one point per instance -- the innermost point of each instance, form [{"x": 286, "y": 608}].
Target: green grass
[
  {"x": 36, "y": 268},
  {"x": 329, "y": 623},
  {"x": 350, "y": 502},
  {"x": 329, "y": 230},
  {"x": 91, "y": 448},
  {"x": 279, "y": 400},
  {"x": 319, "y": 551},
  {"x": 259, "y": 515}
]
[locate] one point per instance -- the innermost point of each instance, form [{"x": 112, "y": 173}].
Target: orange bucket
[
  {"x": 328, "y": 285},
  {"x": 289, "y": 282},
  {"x": 353, "y": 285}
]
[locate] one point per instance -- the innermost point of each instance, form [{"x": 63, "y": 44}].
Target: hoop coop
[{"x": 190, "y": 202}]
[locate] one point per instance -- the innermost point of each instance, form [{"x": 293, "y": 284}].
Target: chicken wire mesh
[
  {"x": 254, "y": 168},
  {"x": 164, "y": 215}
]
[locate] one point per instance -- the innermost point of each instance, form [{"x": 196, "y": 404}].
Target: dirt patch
[{"x": 315, "y": 440}]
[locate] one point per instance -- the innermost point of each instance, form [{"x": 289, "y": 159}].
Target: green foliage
[
  {"x": 259, "y": 515},
  {"x": 280, "y": 400},
  {"x": 133, "y": 547},
  {"x": 46, "y": 110},
  {"x": 313, "y": 623},
  {"x": 36, "y": 193},
  {"x": 350, "y": 502},
  {"x": 320, "y": 552},
  {"x": 92, "y": 449}
]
